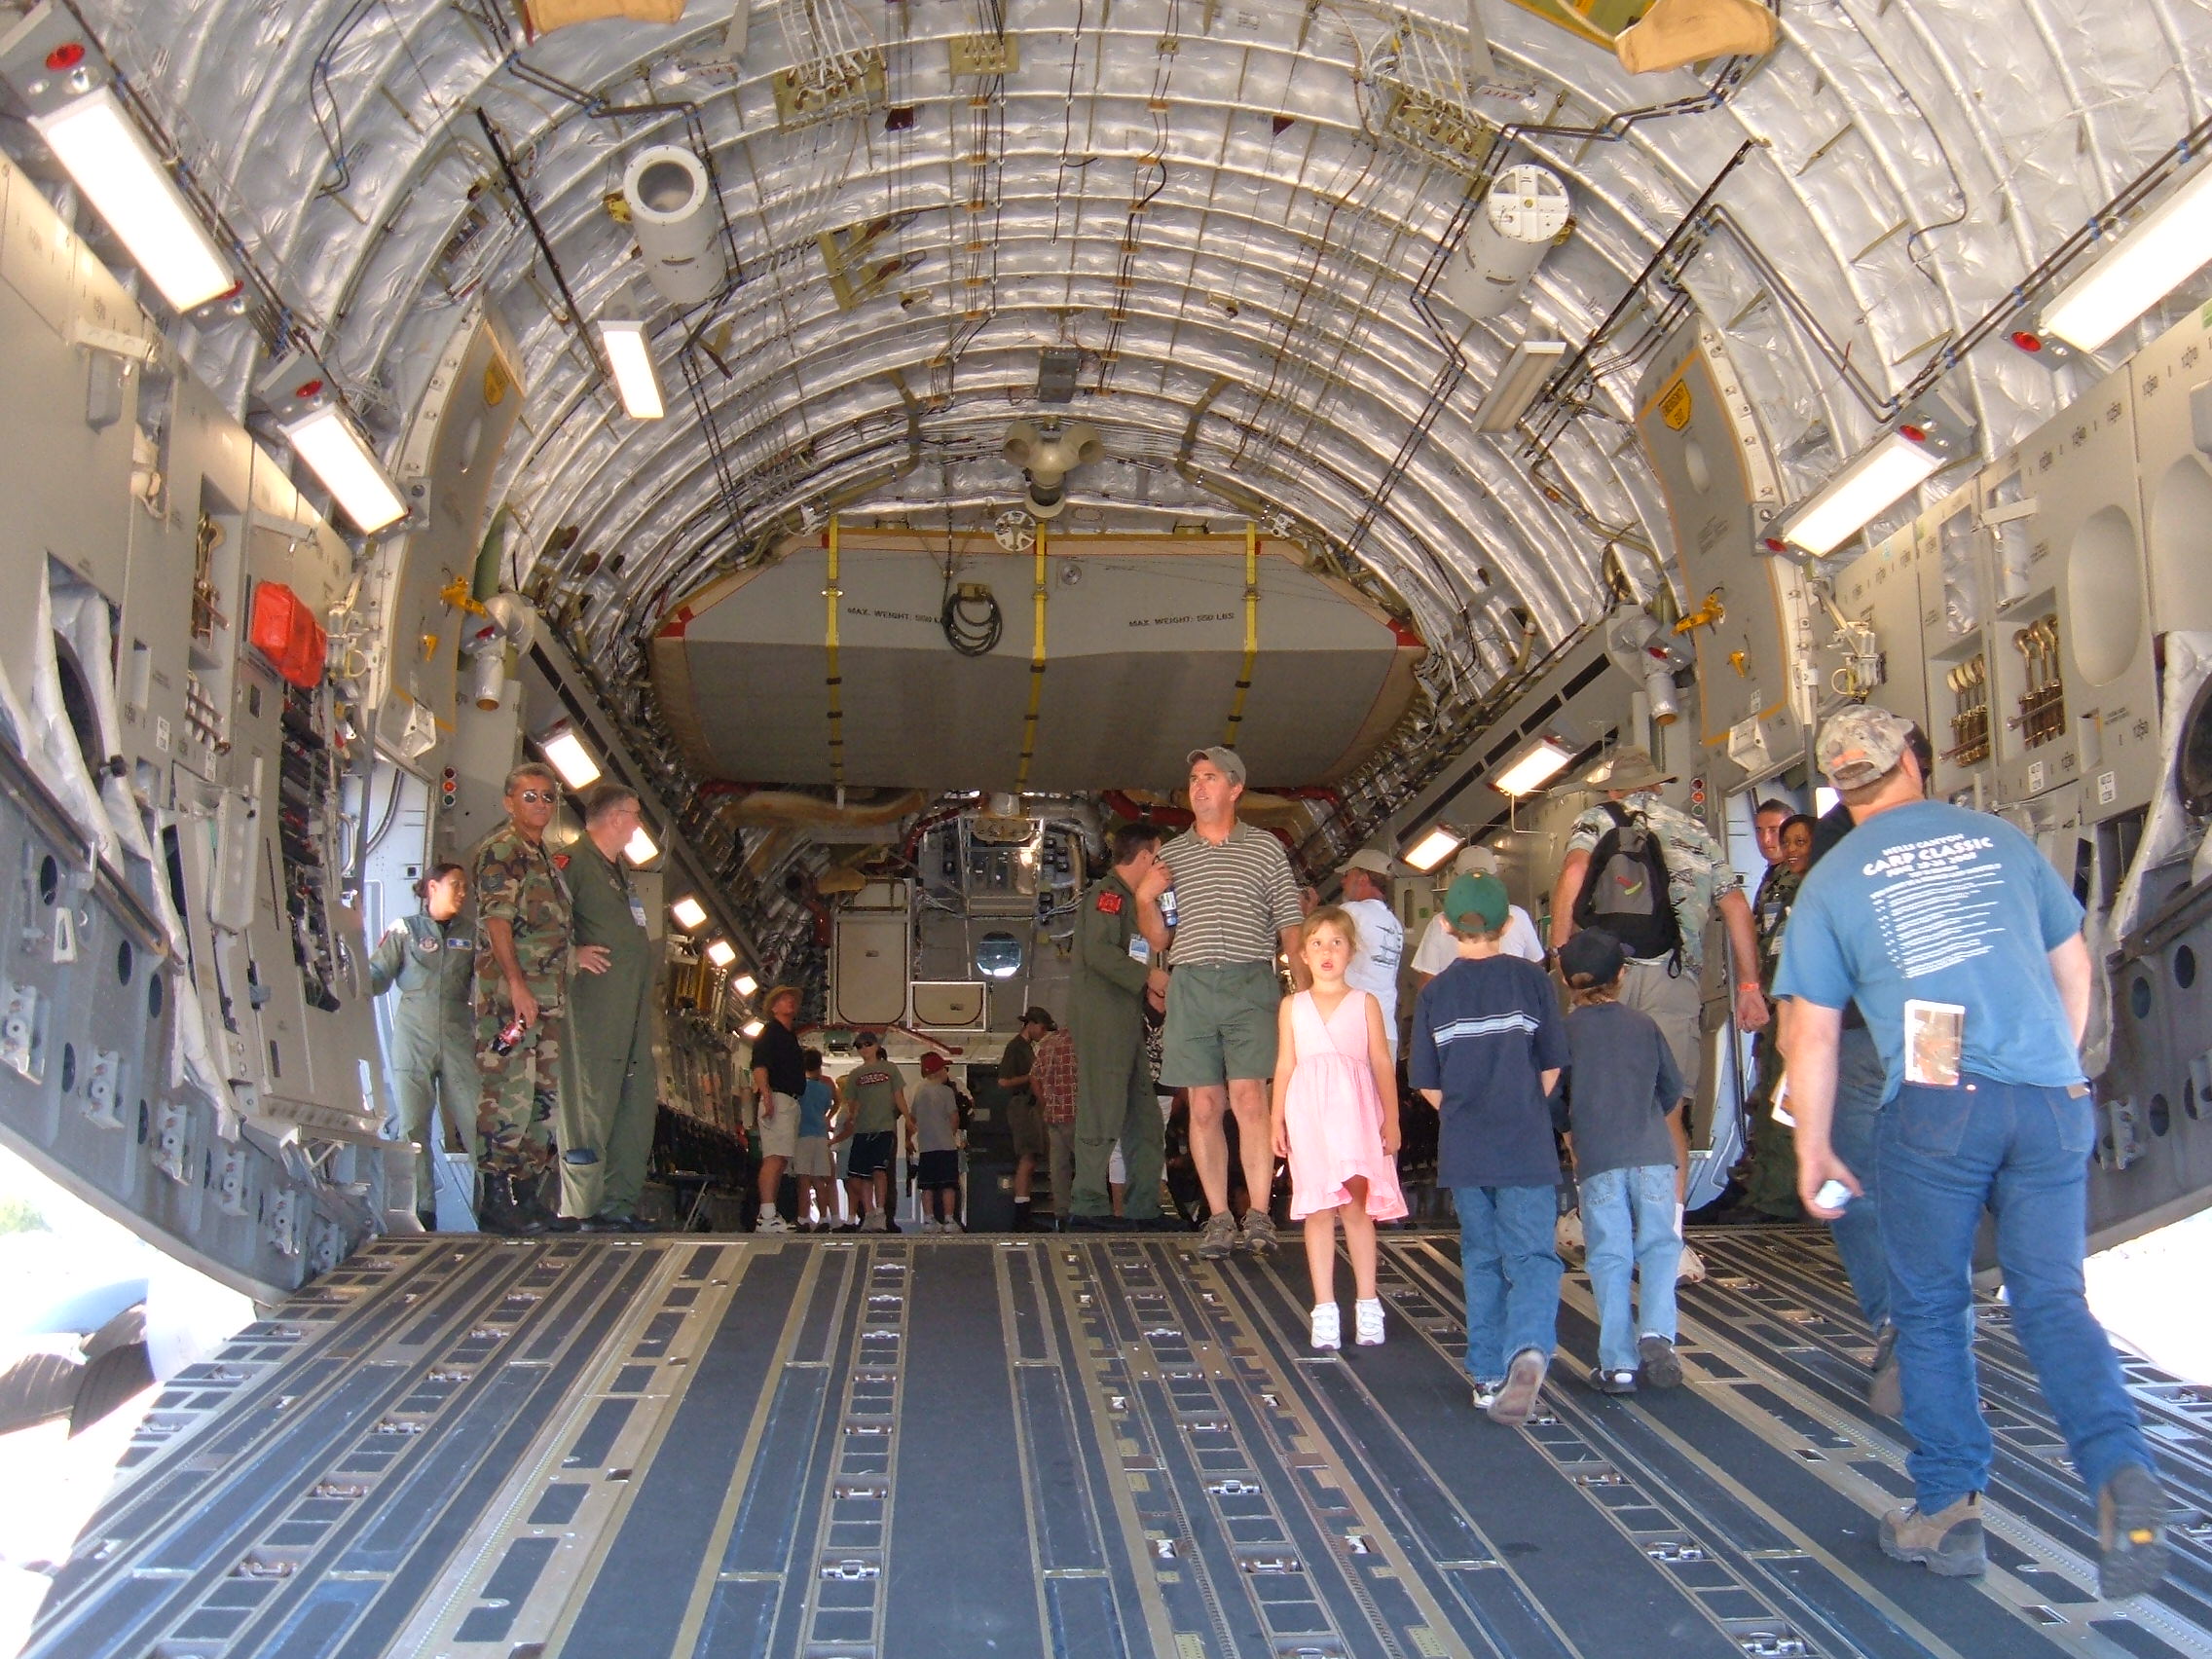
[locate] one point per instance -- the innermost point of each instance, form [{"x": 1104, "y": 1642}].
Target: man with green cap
[
  {"x": 606, "y": 1120},
  {"x": 1114, "y": 973}
]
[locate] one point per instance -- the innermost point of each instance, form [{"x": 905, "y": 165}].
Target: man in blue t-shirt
[
  {"x": 1964, "y": 950},
  {"x": 1487, "y": 1049}
]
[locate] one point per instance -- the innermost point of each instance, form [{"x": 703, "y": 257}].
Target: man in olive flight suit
[
  {"x": 1114, "y": 1095},
  {"x": 607, "y": 1121},
  {"x": 523, "y": 922}
]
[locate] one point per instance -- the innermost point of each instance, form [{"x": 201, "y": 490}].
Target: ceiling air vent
[{"x": 1056, "y": 367}]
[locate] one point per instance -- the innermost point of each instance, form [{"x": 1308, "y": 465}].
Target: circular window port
[
  {"x": 997, "y": 956},
  {"x": 2161, "y": 1114},
  {"x": 126, "y": 960},
  {"x": 2185, "y": 967},
  {"x": 49, "y": 881},
  {"x": 2181, "y": 543},
  {"x": 2139, "y": 997}
]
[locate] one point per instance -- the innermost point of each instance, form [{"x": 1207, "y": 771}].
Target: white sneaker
[
  {"x": 771, "y": 1223},
  {"x": 874, "y": 1221},
  {"x": 1691, "y": 1268},
  {"x": 1367, "y": 1321},
  {"x": 1328, "y": 1334},
  {"x": 950, "y": 1226},
  {"x": 927, "y": 1225}
]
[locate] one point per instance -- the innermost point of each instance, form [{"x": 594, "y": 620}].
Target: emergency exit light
[
  {"x": 688, "y": 912},
  {"x": 721, "y": 954},
  {"x": 113, "y": 165},
  {"x": 1434, "y": 848}
]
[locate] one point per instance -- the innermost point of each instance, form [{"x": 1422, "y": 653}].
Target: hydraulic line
[
  {"x": 1251, "y": 632},
  {"x": 835, "y": 682},
  {"x": 1036, "y": 666}
]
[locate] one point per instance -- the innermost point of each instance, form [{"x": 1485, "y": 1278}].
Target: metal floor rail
[{"x": 892, "y": 1448}]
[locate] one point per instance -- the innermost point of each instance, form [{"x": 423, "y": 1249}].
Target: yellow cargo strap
[
  {"x": 1036, "y": 668},
  {"x": 831, "y": 593},
  {"x": 1251, "y": 632}
]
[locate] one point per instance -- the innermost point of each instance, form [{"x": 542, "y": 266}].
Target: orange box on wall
[{"x": 285, "y": 629}]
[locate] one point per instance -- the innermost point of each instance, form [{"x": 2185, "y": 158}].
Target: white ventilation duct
[
  {"x": 677, "y": 226},
  {"x": 1643, "y": 650},
  {"x": 1047, "y": 458},
  {"x": 1523, "y": 215}
]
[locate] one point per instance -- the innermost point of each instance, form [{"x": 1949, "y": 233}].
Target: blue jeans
[
  {"x": 1628, "y": 1221},
  {"x": 1859, "y": 1090},
  {"x": 1511, "y": 1269},
  {"x": 2023, "y": 1151}
]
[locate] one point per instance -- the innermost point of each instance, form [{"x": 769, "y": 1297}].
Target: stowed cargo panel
[{"x": 883, "y": 1448}]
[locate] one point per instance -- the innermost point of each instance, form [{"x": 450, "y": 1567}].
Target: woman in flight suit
[{"x": 433, "y": 1030}]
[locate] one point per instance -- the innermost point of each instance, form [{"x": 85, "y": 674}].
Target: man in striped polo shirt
[{"x": 1235, "y": 907}]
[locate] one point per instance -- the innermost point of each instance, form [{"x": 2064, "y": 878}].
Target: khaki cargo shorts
[{"x": 1221, "y": 1025}]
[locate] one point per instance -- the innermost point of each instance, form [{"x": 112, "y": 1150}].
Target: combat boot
[
  {"x": 2132, "y": 1512},
  {"x": 1948, "y": 1542},
  {"x": 503, "y": 1212}
]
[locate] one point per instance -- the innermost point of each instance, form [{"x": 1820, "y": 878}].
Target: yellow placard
[{"x": 1675, "y": 406}]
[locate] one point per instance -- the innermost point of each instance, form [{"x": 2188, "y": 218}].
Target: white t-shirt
[
  {"x": 1440, "y": 948},
  {"x": 1381, "y": 947}
]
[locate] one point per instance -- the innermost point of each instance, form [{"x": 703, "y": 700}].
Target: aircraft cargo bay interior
[{"x": 871, "y": 829}]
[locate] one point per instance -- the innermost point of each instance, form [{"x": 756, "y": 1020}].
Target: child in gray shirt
[{"x": 935, "y": 1138}]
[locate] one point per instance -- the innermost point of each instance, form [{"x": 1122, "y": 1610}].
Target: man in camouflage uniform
[
  {"x": 523, "y": 925},
  {"x": 1114, "y": 973}
]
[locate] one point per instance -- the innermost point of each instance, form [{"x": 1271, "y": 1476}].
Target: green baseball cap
[{"x": 1477, "y": 899}]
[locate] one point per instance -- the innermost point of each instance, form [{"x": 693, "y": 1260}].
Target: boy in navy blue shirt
[{"x": 1487, "y": 1049}]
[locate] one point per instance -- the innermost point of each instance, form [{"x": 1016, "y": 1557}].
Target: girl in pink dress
[{"x": 1336, "y": 1119}]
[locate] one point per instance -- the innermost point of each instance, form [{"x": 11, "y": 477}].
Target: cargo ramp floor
[{"x": 878, "y": 1448}]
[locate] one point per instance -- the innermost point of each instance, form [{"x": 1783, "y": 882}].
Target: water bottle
[{"x": 1168, "y": 906}]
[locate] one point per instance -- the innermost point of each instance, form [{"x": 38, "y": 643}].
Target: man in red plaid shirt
[{"x": 1052, "y": 1079}]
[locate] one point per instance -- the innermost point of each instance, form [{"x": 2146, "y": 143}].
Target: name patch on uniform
[{"x": 1108, "y": 903}]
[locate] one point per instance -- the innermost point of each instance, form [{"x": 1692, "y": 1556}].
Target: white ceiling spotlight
[
  {"x": 721, "y": 952},
  {"x": 640, "y": 848},
  {"x": 1527, "y": 366},
  {"x": 65, "y": 87},
  {"x": 566, "y": 753},
  {"x": 678, "y": 224},
  {"x": 629, "y": 353},
  {"x": 688, "y": 912},
  {"x": 1534, "y": 768},
  {"x": 2152, "y": 258},
  {"x": 1527, "y": 211},
  {"x": 1434, "y": 848},
  {"x": 338, "y": 453},
  {"x": 1910, "y": 453},
  {"x": 745, "y": 984}
]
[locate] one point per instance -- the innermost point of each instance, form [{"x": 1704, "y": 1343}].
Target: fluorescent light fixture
[
  {"x": 640, "y": 848},
  {"x": 721, "y": 954},
  {"x": 631, "y": 357},
  {"x": 1527, "y": 368},
  {"x": 1868, "y": 487},
  {"x": 1434, "y": 848},
  {"x": 1534, "y": 768},
  {"x": 745, "y": 984},
  {"x": 1824, "y": 802},
  {"x": 2151, "y": 259},
  {"x": 342, "y": 458},
  {"x": 688, "y": 912},
  {"x": 114, "y": 166},
  {"x": 565, "y": 752},
  {"x": 753, "y": 1028}
]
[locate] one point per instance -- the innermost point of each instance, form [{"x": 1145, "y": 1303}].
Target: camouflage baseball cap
[{"x": 1861, "y": 744}]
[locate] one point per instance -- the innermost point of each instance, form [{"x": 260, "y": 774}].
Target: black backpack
[{"x": 1625, "y": 889}]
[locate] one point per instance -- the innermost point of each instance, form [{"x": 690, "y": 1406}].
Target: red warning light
[
  {"x": 307, "y": 388},
  {"x": 2027, "y": 340},
  {"x": 1775, "y": 545},
  {"x": 66, "y": 56},
  {"x": 1918, "y": 434}
]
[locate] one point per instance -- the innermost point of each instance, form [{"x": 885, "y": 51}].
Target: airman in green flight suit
[
  {"x": 606, "y": 1120},
  {"x": 433, "y": 1036},
  {"x": 1113, "y": 969}
]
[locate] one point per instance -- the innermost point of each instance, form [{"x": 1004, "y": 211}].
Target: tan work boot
[{"x": 1948, "y": 1542}]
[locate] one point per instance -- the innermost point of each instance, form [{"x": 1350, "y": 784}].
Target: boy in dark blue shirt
[{"x": 1487, "y": 1049}]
